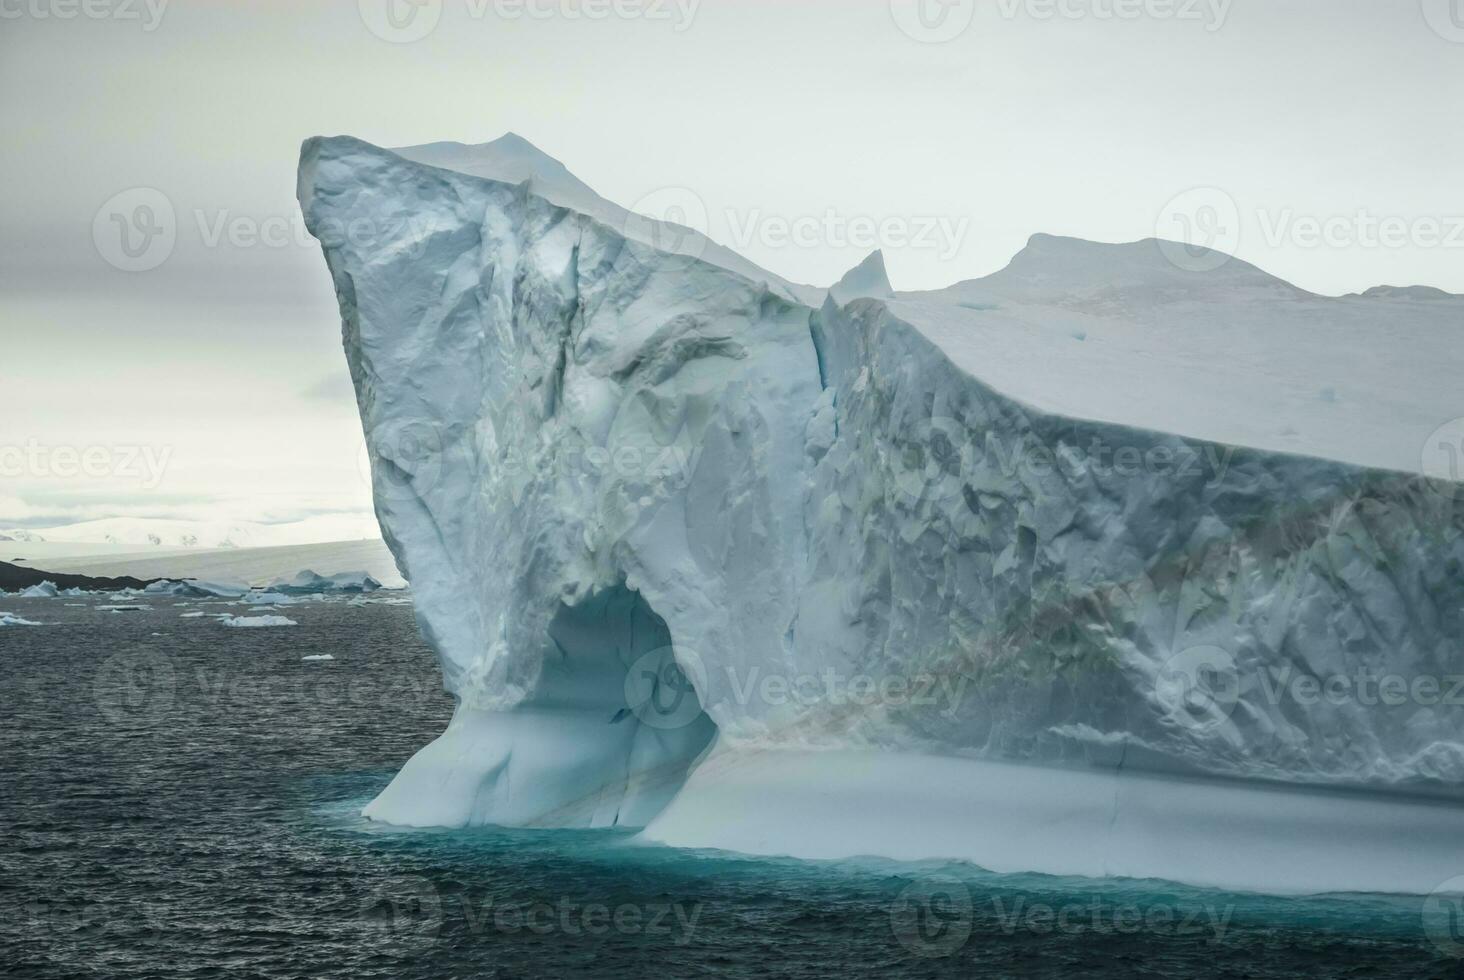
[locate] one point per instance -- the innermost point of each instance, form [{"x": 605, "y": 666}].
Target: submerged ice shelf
[{"x": 680, "y": 530}]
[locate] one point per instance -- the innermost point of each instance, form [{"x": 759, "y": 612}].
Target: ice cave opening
[{"x": 609, "y": 734}]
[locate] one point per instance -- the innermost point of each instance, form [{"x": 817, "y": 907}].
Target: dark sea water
[{"x": 178, "y": 799}]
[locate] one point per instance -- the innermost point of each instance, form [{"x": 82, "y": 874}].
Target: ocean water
[{"x": 180, "y": 799}]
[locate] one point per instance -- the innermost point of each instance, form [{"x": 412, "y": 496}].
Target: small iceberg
[
  {"x": 245, "y": 622},
  {"x": 318, "y": 658},
  {"x": 10, "y": 619},
  {"x": 43, "y": 590},
  {"x": 197, "y": 589},
  {"x": 267, "y": 599},
  {"x": 309, "y": 583}
]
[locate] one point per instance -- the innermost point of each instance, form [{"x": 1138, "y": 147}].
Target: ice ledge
[{"x": 1091, "y": 823}]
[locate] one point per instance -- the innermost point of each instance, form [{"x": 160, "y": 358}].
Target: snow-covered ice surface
[
  {"x": 511, "y": 159},
  {"x": 1041, "y": 545},
  {"x": 1134, "y": 334}
]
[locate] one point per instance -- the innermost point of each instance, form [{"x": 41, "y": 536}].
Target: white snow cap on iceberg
[{"x": 511, "y": 159}]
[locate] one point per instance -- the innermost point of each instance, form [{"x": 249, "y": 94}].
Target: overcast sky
[{"x": 959, "y": 128}]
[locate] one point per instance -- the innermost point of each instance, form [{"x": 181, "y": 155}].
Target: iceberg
[
  {"x": 1037, "y": 572},
  {"x": 196, "y": 589},
  {"x": 268, "y": 599},
  {"x": 309, "y": 583},
  {"x": 10, "y": 619},
  {"x": 41, "y": 590},
  {"x": 256, "y": 622}
]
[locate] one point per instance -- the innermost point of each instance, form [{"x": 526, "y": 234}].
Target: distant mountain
[
  {"x": 1428, "y": 293},
  {"x": 13, "y": 578},
  {"x": 147, "y": 533}
]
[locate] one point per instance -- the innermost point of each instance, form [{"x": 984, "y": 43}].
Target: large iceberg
[{"x": 1038, "y": 571}]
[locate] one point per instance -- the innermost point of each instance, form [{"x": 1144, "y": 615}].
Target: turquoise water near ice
[{"x": 182, "y": 799}]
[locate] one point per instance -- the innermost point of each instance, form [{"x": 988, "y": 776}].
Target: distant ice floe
[
  {"x": 10, "y": 619},
  {"x": 309, "y": 583},
  {"x": 130, "y": 607},
  {"x": 267, "y": 599},
  {"x": 43, "y": 590},
  {"x": 318, "y": 658},
  {"x": 198, "y": 589},
  {"x": 259, "y": 622}
]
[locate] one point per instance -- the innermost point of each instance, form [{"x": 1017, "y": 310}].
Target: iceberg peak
[
  {"x": 510, "y": 159},
  {"x": 867, "y": 280}
]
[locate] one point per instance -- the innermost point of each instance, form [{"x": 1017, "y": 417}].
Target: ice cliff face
[{"x": 629, "y": 487}]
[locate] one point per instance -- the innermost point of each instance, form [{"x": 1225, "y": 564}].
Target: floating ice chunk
[
  {"x": 310, "y": 583},
  {"x": 246, "y": 622},
  {"x": 267, "y": 599},
  {"x": 197, "y": 589},
  {"x": 318, "y": 658},
  {"x": 124, "y": 608},
  {"x": 43, "y": 590},
  {"x": 10, "y": 619}
]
